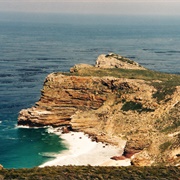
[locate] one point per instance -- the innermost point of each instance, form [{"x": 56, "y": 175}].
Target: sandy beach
[{"x": 83, "y": 151}]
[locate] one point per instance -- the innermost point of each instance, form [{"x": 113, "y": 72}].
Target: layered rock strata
[
  {"x": 112, "y": 109},
  {"x": 62, "y": 96}
]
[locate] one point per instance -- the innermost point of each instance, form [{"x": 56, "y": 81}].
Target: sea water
[{"x": 34, "y": 45}]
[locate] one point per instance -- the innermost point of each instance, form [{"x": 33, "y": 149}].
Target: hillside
[{"x": 113, "y": 100}]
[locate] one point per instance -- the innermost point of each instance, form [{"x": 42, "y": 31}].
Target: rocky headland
[{"x": 113, "y": 100}]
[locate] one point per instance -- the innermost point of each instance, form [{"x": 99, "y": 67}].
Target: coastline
[{"x": 83, "y": 151}]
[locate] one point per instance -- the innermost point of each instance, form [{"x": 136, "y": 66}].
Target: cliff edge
[{"x": 113, "y": 100}]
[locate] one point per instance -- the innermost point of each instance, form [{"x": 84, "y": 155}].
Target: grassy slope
[{"x": 124, "y": 73}]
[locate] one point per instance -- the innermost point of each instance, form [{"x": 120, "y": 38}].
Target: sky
[{"x": 137, "y": 7}]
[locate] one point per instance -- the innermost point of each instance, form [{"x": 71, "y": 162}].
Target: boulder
[{"x": 117, "y": 158}]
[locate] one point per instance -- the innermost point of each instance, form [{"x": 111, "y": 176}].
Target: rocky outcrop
[
  {"x": 145, "y": 113},
  {"x": 61, "y": 97},
  {"x": 116, "y": 61},
  {"x": 78, "y": 67}
]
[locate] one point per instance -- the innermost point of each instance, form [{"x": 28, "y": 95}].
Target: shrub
[
  {"x": 131, "y": 106},
  {"x": 127, "y": 106},
  {"x": 164, "y": 146}
]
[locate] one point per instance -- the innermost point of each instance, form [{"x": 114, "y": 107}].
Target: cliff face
[
  {"x": 110, "y": 106},
  {"x": 61, "y": 97}
]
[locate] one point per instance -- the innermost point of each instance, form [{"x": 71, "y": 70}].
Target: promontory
[{"x": 112, "y": 100}]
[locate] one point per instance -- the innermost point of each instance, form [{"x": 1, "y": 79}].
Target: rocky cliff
[{"x": 113, "y": 100}]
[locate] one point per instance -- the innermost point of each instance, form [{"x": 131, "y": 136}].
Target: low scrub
[
  {"x": 163, "y": 147},
  {"x": 90, "y": 172},
  {"x": 134, "y": 106}
]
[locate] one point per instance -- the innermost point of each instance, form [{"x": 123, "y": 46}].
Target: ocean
[{"x": 34, "y": 45}]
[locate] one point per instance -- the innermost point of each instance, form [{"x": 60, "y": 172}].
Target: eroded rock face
[
  {"x": 61, "y": 97},
  {"x": 142, "y": 159},
  {"x": 111, "y": 109}
]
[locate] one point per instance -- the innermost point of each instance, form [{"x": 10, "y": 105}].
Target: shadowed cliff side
[{"x": 113, "y": 100}]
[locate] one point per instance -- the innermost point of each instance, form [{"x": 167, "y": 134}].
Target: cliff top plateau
[{"x": 113, "y": 100}]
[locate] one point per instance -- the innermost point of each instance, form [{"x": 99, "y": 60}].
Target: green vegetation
[
  {"x": 165, "y": 88},
  {"x": 121, "y": 73},
  {"x": 134, "y": 106},
  {"x": 167, "y": 79},
  {"x": 164, "y": 146},
  {"x": 126, "y": 60},
  {"x": 170, "y": 128},
  {"x": 171, "y": 121},
  {"x": 89, "y": 172}
]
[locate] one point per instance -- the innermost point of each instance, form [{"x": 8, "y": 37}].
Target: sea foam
[{"x": 83, "y": 151}]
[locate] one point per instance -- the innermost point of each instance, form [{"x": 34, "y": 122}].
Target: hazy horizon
[
  {"x": 113, "y": 7},
  {"x": 65, "y": 18}
]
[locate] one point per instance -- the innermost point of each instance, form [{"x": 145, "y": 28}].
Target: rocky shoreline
[{"x": 113, "y": 100}]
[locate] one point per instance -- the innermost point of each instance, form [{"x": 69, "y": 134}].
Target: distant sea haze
[{"x": 32, "y": 48}]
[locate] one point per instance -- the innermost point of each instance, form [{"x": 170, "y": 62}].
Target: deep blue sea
[{"x": 34, "y": 45}]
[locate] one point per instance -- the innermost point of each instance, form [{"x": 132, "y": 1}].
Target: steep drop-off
[{"x": 113, "y": 100}]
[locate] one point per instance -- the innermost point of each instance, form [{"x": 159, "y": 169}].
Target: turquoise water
[
  {"x": 28, "y": 147},
  {"x": 31, "y": 48}
]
